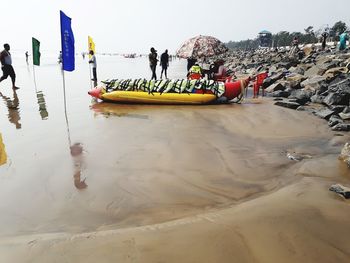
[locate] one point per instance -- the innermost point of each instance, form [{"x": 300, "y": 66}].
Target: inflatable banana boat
[{"x": 179, "y": 91}]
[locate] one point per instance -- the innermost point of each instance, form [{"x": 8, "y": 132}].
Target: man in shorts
[{"x": 7, "y": 69}]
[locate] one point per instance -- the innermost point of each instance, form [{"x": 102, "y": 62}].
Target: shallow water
[{"x": 101, "y": 166}]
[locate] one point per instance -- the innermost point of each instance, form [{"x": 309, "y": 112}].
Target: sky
[{"x": 128, "y": 26}]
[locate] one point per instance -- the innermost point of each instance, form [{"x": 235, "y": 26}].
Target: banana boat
[{"x": 178, "y": 91}]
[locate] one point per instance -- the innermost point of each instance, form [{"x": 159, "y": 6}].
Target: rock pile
[{"x": 309, "y": 80}]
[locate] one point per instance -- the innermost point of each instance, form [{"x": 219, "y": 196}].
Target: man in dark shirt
[
  {"x": 164, "y": 61},
  {"x": 153, "y": 62},
  {"x": 7, "y": 69}
]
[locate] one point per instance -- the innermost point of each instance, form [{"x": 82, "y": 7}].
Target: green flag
[{"x": 36, "y": 52}]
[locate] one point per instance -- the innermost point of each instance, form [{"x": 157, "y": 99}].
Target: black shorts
[{"x": 8, "y": 71}]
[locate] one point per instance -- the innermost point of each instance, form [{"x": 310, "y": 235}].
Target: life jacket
[{"x": 196, "y": 69}]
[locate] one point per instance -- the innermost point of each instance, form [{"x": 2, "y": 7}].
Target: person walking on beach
[
  {"x": 94, "y": 65},
  {"x": 27, "y": 55},
  {"x": 152, "y": 57},
  {"x": 7, "y": 69},
  {"x": 164, "y": 62}
]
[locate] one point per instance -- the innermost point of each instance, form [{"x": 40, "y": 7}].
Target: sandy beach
[{"x": 101, "y": 182}]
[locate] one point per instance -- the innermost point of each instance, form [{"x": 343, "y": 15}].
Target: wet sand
[{"x": 138, "y": 183}]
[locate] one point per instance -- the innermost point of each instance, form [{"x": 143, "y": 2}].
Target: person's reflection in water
[
  {"x": 76, "y": 150},
  {"x": 13, "y": 109}
]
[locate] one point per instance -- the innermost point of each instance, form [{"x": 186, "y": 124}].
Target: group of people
[
  {"x": 217, "y": 71},
  {"x": 153, "y": 61}
]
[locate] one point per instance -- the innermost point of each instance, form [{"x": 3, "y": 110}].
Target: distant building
[{"x": 265, "y": 38}]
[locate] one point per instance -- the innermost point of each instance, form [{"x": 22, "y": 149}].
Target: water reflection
[
  {"x": 76, "y": 151},
  {"x": 119, "y": 110},
  {"x": 42, "y": 105},
  {"x": 13, "y": 109},
  {"x": 3, "y": 155}
]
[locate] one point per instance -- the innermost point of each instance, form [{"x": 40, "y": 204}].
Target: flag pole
[
  {"x": 65, "y": 107},
  {"x": 34, "y": 79},
  {"x": 90, "y": 76}
]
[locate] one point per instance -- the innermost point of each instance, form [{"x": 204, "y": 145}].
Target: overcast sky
[{"x": 135, "y": 25}]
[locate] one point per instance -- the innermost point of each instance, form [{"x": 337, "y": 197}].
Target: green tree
[{"x": 338, "y": 28}]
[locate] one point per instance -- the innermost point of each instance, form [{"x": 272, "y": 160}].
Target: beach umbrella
[{"x": 201, "y": 46}]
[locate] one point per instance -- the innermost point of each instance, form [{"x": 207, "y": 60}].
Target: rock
[
  {"x": 341, "y": 127},
  {"x": 294, "y": 80},
  {"x": 297, "y": 70},
  {"x": 315, "y": 70},
  {"x": 334, "y": 120},
  {"x": 307, "y": 109},
  {"x": 287, "y": 104},
  {"x": 315, "y": 82},
  {"x": 275, "y": 87},
  {"x": 344, "y": 116},
  {"x": 301, "y": 96},
  {"x": 337, "y": 99},
  {"x": 341, "y": 190},
  {"x": 341, "y": 86},
  {"x": 337, "y": 108},
  {"x": 333, "y": 72},
  {"x": 325, "y": 114},
  {"x": 345, "y": 154},
  {"x": 281, "y": 93},
  {"x": 298, "y": 156},
  {"x": 317, "y": 99}
]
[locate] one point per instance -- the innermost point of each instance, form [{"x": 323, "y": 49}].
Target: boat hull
[{"x": 157, "y": 98}]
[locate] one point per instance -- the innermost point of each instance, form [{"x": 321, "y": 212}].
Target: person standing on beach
[
  {"x": 342, "y": 40},
  {"x": 324, "y": 40},
  {"x": 27, "y": 55},
  {"x": 94, "y": 65},
  {"x": 153, "y": 62},
  {"x": 60, "y": 57},
  {"x": 7, "y": 69},
  {"x": 164, "y": 62}
]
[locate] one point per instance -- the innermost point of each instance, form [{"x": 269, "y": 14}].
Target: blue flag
[{"x": 67, "y": 43}]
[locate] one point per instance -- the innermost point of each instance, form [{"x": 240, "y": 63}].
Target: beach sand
[{"x": 141, "y": 183}]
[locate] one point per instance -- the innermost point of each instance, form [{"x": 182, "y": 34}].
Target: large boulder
[
  {"x": 301, "y": 96},
  {"x": 334, "y": 72},
  {"x": 314, "y": 82},
  {"x": 288, "y": 104},
  {"x": 334, "y": 120},
  {"x": 315, "y": 70},
  {"x": 281, "y": 94},
  {"x": 277, "y": 86},
  {"x": 325, "y": 113},
  {"x": 345, "y": 154},
  {"x": 340, "y": 98},
  {"x": 341, "y": 127},
  {"x": 294, "y": 80},
  {"x": 343, "y": 86}
]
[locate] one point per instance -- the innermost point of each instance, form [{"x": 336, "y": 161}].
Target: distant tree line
[{"x": 284, "y": 38}]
